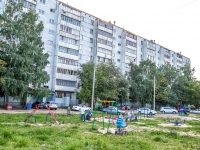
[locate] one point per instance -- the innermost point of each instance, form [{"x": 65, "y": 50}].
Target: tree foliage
[
  {"x": 22, "y": 50},
  {"x": 109, "y": 83}
]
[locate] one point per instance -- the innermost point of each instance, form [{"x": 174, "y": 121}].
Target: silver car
[
  {"x": 146, "y": 110},
  {"x": 168, "y": 110}
]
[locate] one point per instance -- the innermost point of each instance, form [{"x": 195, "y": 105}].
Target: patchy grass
[{"x": 73, "y": 134}]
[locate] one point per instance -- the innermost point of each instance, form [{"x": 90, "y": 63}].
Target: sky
[{"x": 174, "y": 24}]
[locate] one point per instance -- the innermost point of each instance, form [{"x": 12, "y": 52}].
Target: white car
[
  {"x": 168, "y": 110},
  {"x": 197, "y": 111},
  {"x": 77, "y": 108},
  {"x": 146, "y": 110}
]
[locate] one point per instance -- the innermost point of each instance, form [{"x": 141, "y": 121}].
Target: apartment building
[{"x": 72, "y": 37}]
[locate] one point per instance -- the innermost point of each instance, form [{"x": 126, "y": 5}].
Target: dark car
[{"x": 41, "y": 105}]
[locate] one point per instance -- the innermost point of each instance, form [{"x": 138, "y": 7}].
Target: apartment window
[
  {"x": 90, "y": 49},
  {"x": 105, "y": 42},
  {"x": 27, "y": 4},
  {"x": 141, "y": 56},
  {"x": 130, "y": 50},
  {"x": 106, "y": 25},
  {"x": 81, "y": 37},
  {"x": 51, "y": 21},
  {"x": 70, "y": 20},
  {"x": 68, "y": 40},
  {"x": 66, "y": 71},
  {"x": 130, "y": 43},
  {"x": 67, "y": 61},
  {"x": 91, "y": 31},
  {"x": 114, "y": 38},
  {"x": 50, "y": 42},
  {"x": 68, "y": 50},
  {"x": 118, "y": 52},
  {"x": 41, "y": 11},
  {"x": 69, "y": 30},
  {"x": 60, "y": 82},
  {"x": 51, "y": 31},
  {"x": 91, "y": 40},
  {"x": 92, "y": 22},
  {"x": 119, "y": 36},
  {"x": 82, "y": 28},
  {"x": 119, "y": 44},
  {"x": 82, "y": 18},
  {"x": 91, "y": 58},
  {"x": 42, "y": 1},
  {"x": 141, "y": 42},
  {"x": 52, "y": 10},
  {"x": 118, "y": 60},
  {"x": 101, "y": 32}
]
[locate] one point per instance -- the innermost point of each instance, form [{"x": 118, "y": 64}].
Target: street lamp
[
  {"x": 154, "y": 93},
  {"x": 93, "y": 84}
]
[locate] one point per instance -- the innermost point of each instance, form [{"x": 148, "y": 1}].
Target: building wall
[{"x": 72, "y": 37}]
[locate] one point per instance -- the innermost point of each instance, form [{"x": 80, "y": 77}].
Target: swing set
[{"x": 99, "y": 105}]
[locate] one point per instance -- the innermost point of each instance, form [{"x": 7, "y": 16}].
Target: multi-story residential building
[{"x": 73, "y": 37}]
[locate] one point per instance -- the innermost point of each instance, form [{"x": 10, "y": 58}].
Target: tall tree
[
  {"x": 141, "y": 81},
  {"x": 2, "y": 69},
  {"x": 108, "y": 83},
  {"x": 23, "y": 52}
]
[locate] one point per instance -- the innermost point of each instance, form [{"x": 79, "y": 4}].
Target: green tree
[
  {"x": 22, "y": 49},
  {"x": 108, "y": 83},
  {"x": 2, "y": 69},
  {"x": 86, "y": 80},
  {"x": 141, "y": 81}
]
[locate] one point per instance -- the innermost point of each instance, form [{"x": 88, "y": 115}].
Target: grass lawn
[{"x": 73, "y": 134}]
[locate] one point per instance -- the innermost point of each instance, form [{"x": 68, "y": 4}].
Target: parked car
[
  {"x": 41, "y": 104},
  {"x": 197, "y": 111},
  {"x": 51, "y": 105},
  {"x": 168, "y": 110},
  {"x": 113, "y": 110},
  {"x": 187, "y": 109},
  {"x": 127, "y": 107},
  {"x": 77, "y": 108},
  {"x": 145, "y": 110}
]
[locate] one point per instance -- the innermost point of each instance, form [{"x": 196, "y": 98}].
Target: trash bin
[
  {"x": 9, "y": 106},
  {"x": 29, "y": 106}
]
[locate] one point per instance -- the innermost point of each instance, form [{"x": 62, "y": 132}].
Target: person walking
[
  {"x": 82, "y": 111},
  {"x": 89, "y": 114},
  {"x": 68, "y": 111}
]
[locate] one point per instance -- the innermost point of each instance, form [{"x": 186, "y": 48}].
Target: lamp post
[
  {"x": 154, "y": 93},
  {"x": 93, "y": 85}
]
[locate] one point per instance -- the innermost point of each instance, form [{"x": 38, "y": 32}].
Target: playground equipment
[
  {"x": 176, "y": 121},
  {"x": 120, "y": 125},
  {"x": 98, "y": 105},
  {"x": 35, "y": 109}
]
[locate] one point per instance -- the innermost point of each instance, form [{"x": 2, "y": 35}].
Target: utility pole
[{"x": 154, "y": 93}]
